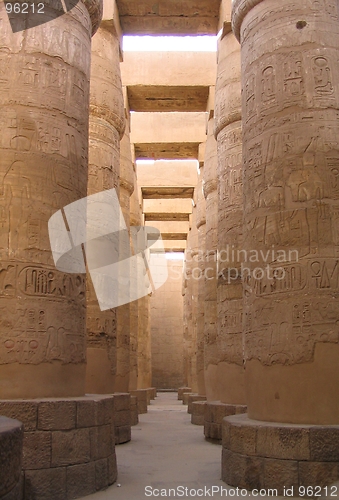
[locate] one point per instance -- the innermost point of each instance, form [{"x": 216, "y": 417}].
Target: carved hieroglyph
[
  {"x": 106, "y": 127},
  {"x": 44, "y": 97},
  {"x": 230, "y": 198},
  {"x": 291, "y": 183}
]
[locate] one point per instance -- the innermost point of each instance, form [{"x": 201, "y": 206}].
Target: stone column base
[
  {"x": 142, "y": 400},
  {"x": 279, "y": 456},
  {"x": 198, "y": 413},
  {"x": 69, "y": 445},
  {"x": 215, "y": 411},
  {"x": 153, "y": 392},
  {"x": 191, "y": 399},
  {"x": 150, "y": 392},
  {"x": 134, "y": 410},
  {"x": 181, "y": 391},
  {"x": 11, "y": 438},
  {"x": 122, "y": 417},
  {"x": 185, "y": 396}
]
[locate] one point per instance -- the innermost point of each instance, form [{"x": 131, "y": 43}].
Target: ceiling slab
[
  {"x": 174, "y": 236},
  {"x": 164, "y": 151},
  {"x": 153, "y": 193},
  {"x": 153, "y": 98},
  {"x": 167, "y": 217},
  {"x": 169, "y": 17}
]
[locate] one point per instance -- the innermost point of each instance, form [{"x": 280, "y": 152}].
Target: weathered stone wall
[{"x": 167, "y": 330}]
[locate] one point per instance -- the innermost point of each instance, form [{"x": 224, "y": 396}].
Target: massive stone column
[
  {"x": 210, "y": 187},
  {"x": 184, "y": 293},
  {"x": 230, "y": 219},
  {"x": 188, "y": 265},
  {"x": 44, "y": 99},
  {"x": 144, "y": 344},
  {"x": 194, "y": 254},
  {"x": 230, "y": 386},
  {"x": 106, "y": 127},
  {"x": 291, "y": 156},
  {"x": 200, "y": 336},
  {"x": 122, "y": 382},
  {"x": 135, "y": 220},
  {"x": 44, "y": 108}
]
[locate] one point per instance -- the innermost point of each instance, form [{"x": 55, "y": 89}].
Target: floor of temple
[{"x": 166, "y": 451}]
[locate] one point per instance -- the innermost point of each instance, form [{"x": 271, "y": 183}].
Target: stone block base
[
  {"x": 142, "y": 400},
  {"x": 153, "y": 392},
  {"x": 185, "y": 396},
  {"x": 149, "y": 395},
  {"x": 215, "y": 411},
  {"x": 181, "y": 391},
  {"x": 122, "y": 417},
  {"x": 273, "y": 455},
  {"x": 191, "y": 399},
  {"x": 198, "y": 413},
  {"x": 69, "y": 445},
  {"x": 11, "y": 440},
  {"x": 134, "y": 411}
]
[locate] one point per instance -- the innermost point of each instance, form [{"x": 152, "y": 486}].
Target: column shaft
[
  {"x": 201, "y": 227},
  {"x": 107, "y": 123},
  {"x": 44, "y": 99},
  {"x": 124, "y": 311},
  {"x": 290, "y": 126},
  {"x": 211, "y": 196},
  {"x": 230, "y": 220}
]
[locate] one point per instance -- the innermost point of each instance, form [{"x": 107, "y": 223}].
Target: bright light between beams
[
  {"x": 175, "y": 255},
  {"x": 170, "y": 43}
]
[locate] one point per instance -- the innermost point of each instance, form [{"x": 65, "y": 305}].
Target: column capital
[
  {"x": 95, "y": 10},
  {"x": 111, "y": 21},
  {"x": 240, "y": 9}
]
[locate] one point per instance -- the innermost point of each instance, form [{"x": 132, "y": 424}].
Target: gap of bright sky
[{"x": 170, "y": 43}]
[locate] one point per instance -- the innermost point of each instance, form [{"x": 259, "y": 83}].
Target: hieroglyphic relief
[
  {"x": 34, "y": 332},
  {"x": 230, "y": 201},
  {"x": 43, "y": 167},
  {"x": 291, "y": 165},
  {"x": 106, "y": 126}
]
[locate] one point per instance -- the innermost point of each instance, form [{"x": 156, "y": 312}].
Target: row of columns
[
  {"x": 270, "y": 295},
  {"x": 65, "y": 136}
]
